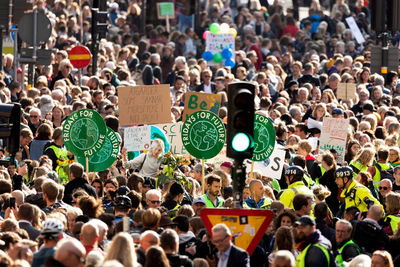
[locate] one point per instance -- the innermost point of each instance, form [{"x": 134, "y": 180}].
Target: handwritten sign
[
  {"x": 346, "y": 91},
  {"x": 271, "y": 167},
  {"x": 333, "y": 136},
  {"x": 201, "y": 101},
  {"x": 215, "y": 43},
  {"x": 173, "y": 133},
  {"x": 145, "y": 104},
  {"x": 355, "y": 30},
  {"x": 137, "y": 138},
  {"x": 165, "y": 9}
]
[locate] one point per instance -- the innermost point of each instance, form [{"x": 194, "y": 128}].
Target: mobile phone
[{"x": 12, "y": 202}]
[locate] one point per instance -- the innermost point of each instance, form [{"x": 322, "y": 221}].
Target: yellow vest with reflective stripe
[
  {"x": 295, "y": 188},
  {"x": 377, "y": 176},
  {"x": 300, "y": 260},
  {"x": 210, "y": 204},
  {"x": 339, "y": 257},
  {"x": 62, "y": 168}
]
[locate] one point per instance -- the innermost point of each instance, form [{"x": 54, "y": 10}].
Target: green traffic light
[{"x": 241, "y": 142}]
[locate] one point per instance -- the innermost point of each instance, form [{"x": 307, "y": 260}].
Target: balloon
[
  {"x": 232, "y": 31},
  {"x": 207, "y": 55},
  {"x": 214, "y": 28},
  {"x": 205, "y": 34},
  {"x": 226, "y": 53},
  {"x": 229, "y": 63},
  {"x": 217, "y": 57},
  {"x": 224, "y": 28}
]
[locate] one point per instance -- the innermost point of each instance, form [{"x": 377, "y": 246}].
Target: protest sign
[
  {"x": 264, "y": 137},
  {"x": 165, "y": 9},
  {"x": 145, "y": 104},
  {"x": 346, "y": 91},
  {"x": 355, "y": 29},
  {"x": 220, "y": 45},
  {"x": 137, "y": 138},
  {"x": 272, "y": 166},
  {"x": 173, "y": 133},
  {"x": 333, "y": 136},
  {"x": 106, "y": 156},
  {"x": 203, "y": 134},
  {"x": 84, "y": 132},
  {"x": 201, "y": 101}
]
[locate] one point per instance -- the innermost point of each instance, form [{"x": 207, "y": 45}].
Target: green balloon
[
  {"x": 214, "y": 28},
  {"x": 217, "y": 57}
]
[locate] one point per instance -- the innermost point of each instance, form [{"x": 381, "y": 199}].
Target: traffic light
[
  {"x": 10, "y": 123},
  {"x": 240, "y": 128},
  {"x": 99, "y": 22}
]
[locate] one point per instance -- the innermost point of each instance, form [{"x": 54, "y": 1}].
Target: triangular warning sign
[{"x": 247, "y": 226}]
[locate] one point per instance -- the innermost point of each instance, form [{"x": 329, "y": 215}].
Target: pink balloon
[{"x": 205, "y": 34}]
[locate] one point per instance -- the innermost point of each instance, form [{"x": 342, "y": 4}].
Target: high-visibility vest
[
  {"x": 356, "y": 194},
  {"x": 264, "y": 203},
  {"x": 300, "y": 260},
  {"x": 172, "y": 213},
  {"x": 63, "y": 163},
  {"x": 394, "y": 222},
  {"x": 357, "y": 168},
  {"x": 339, "y": 257},
  {"x": 295, "y": 188},
  {"x": 210, "y": 204},
  {"x": 377, "y": 176}
]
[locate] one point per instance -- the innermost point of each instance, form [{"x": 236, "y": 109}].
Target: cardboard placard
[
  {"x": 173, "y": 133},
  {"x": 144, "y": 104},
  {"x": 165, "y": 9},
  {"x": 201, "y": 101},
  {"x": 271, "y": 167},
  {"x": 346, "y": 91},
  {"x": 333, "y": 136}
]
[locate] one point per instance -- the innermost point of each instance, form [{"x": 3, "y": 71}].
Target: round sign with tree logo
[
  {"x": 203, "y": 134},
  {"x": 106, "y": 156},
  {"x": 84, "y": 132},
  {"x": 264, "y": 138}
]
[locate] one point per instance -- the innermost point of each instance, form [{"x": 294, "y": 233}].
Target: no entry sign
[{"x": 79, "y": 56}]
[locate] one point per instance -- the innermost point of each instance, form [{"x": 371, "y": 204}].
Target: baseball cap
[
  {"x": 199, "y": 199},
  {"x": 337, "y": 111},
  {"x": 305, "y": 220}
]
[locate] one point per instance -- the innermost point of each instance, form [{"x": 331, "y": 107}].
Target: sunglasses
[
  {"x": 33, "y": 116},
  {"x": 155, "y": 201},
  {"x": 383, "y": 188}
]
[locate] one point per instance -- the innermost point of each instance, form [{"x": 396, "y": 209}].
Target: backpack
[{"x": 385, "y": 174}]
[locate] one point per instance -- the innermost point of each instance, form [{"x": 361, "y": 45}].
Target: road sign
[
  {"x": 247, "y": 226},
  {"x": 84, "y": 132},
  {"x": 79, "y": 56},
  {"x": 203, "y": 134},
  {"x": 25, "y": 28},
  {"x": 264, "y": 137},
  {"x": 18, "y": 9},
  {"x": 106, "y": 156},
  {"x": 43, "y": 56}
]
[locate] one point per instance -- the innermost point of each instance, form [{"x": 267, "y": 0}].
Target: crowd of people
[{"x": 328, "y": 211}]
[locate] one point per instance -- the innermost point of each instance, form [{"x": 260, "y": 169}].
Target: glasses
[
  {"x": 68, "y": 67},
  {"x": 383, "y": 188},
  {"x": 34, "y": 116},
  {"x": 207, "y": 76},
  {"x": 155, "y": 201},
  {"x": 219, "y": 241}
]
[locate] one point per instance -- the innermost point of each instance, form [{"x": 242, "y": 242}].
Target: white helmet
[{"x": 52, "y": 226}]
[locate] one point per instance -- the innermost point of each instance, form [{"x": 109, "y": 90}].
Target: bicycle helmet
[{"x": 52, "y": 226}]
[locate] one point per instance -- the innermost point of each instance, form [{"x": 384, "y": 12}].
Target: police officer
[
  {"x": 347, "y": 248},
  {"x": 213, "y": 190},
  {"x": 257, "y": 200},
  {"x": 354, "y": 193},
  {"x": 294, "y": 179}
]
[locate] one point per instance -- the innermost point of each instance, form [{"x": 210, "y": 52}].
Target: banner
[
  {"x": 333, "y": 136},
  {"x": 137, "y": 138},
  {"x": 144, "y": 104},
  {"x": 195, "y": 101},
  {"x": 173, "y": 133}
]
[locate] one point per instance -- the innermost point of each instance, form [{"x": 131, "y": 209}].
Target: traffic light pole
[
  {"x": 238, "y": 173},
  {"x": 385, "y": 53}
]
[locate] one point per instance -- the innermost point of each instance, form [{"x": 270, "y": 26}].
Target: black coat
[
  {"x": 75, "y": 184},
  {"x": 200, "y": 88},
  {"x": 32, "y": 231}
]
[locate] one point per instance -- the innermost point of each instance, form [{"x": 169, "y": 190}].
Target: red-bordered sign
[
  {"x": 247, "y": 226},
  {"x": 79, "y": 56}
]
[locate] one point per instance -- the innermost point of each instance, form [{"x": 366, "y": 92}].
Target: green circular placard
[
  {"x": 106, "y": 156},
  {"x": 203, "y": 134},
  {"x": 264, "y": 138},
  {"x": 84, "y": 132}
]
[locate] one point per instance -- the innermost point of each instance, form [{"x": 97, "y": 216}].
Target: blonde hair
[
  {"x": 305, "y": 145},
  {"x": 321, "y": 192},
  {"x": 366, "y": 156},
  {"x": 122, "y": 250}
]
